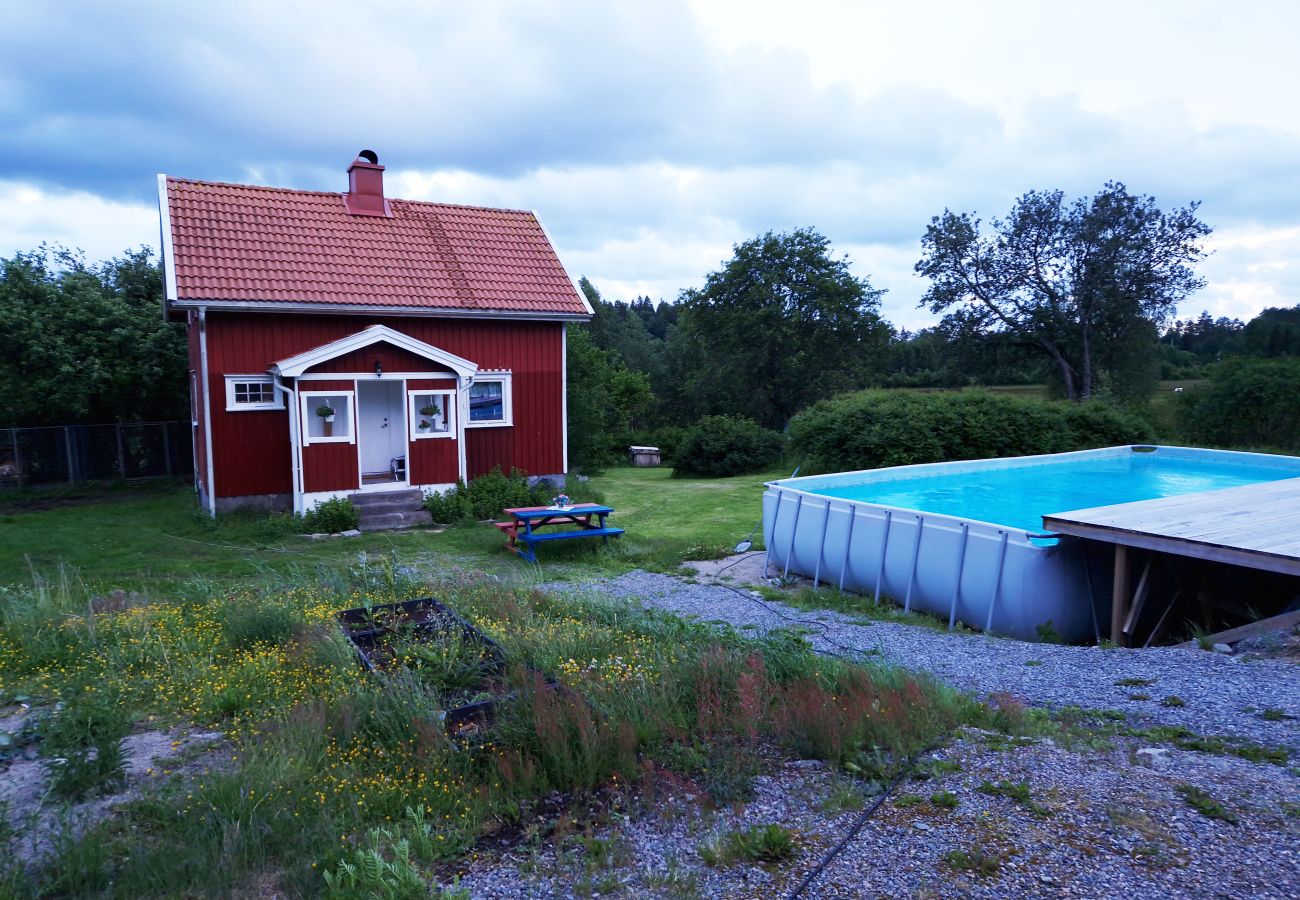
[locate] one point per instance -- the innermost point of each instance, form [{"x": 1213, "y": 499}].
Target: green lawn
[{"x": 154, "y": 536}]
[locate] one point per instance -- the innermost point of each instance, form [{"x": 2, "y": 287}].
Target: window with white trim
[
  {"x": 245, "y": 392},
  {"x": 432, "y": 414},
  {"x": 490, "y": 400},
  {"x": 327, "y": 417}
]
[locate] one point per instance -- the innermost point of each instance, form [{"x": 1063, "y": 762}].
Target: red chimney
[{"x": 365, "y": 196}]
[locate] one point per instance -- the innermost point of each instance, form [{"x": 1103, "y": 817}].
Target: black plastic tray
[{"x": 367, "y": 627}]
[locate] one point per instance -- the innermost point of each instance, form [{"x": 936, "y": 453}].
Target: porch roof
[{"x": 297, "y": 365}]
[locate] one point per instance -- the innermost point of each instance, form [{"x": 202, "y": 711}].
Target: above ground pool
[{"x": 964, "y": 540}]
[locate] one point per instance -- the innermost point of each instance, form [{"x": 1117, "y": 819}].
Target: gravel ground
[
  {"x": 1072, "y": 822},
  {"x": 1103, "y": 826},
  {"x": 1223, "y": 694}
]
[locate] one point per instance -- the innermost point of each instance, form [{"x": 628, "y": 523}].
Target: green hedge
[
  {"x": 1247, "y": 403},
  {"x": 718, "y": 446},
  {"x": 871, "y": 429}
]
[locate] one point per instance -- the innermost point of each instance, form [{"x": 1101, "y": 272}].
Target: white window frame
[
  {"x": 446, "y": 399},
  {"x": 309, "y": 399},
  {"x": 276, "y": 401},
  {"x": 507, "y": 399}
]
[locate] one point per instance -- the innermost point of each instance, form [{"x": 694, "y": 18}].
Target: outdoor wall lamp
[{"x": 379, "y": 370}]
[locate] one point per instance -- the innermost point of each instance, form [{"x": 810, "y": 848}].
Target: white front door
[{"x": 381, "y": 431}]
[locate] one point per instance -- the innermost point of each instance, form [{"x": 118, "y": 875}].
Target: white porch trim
[{"x": 297, "y": 365}]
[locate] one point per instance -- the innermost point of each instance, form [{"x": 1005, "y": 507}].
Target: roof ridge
[{"x": 287, "y": 190}]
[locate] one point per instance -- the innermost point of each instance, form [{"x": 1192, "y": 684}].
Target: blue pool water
[{"x": 1019, "y": 496}]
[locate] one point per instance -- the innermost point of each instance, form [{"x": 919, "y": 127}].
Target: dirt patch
[
  {"x": 151, "y": 756},
  {"x": 742, "y": 568}
]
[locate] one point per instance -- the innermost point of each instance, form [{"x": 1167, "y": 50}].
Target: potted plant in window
[
  {"x": 326, "y": 412},
  {"x": 430, "y": 409},
  {"x": 423, "y": 426}
]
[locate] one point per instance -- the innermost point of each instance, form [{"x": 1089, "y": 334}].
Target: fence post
[
  {"x": 18, "y": 460},
  {"x": 67, "y": 451},
  {"x": 167, "y": 447},
  {"x": 121, "y": 453}
]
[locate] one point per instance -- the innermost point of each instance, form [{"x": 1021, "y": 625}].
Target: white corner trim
[
  {"x": 576, "y": 288},
  {"x": 168, "y": 253},
  {"x": 207, "y": 413},
  {"x": 268, "y": 380},
  {"x": 564, "y": 393},
  {"x": 296, "y": 365}
]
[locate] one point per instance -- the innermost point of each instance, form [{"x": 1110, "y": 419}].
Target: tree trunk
[
  {"x": 1085, "y": 386},
  {"x": 1069, "y": 378}
]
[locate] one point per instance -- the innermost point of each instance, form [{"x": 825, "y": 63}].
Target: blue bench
[{"x": 565, "y": 535}]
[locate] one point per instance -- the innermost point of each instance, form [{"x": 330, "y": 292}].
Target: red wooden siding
[
  {"x": 251, "y": 449},
  {"x": 433, "y": 460},
  {"x": 330, "y": 467}
]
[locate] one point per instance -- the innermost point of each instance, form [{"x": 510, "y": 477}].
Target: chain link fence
[{"x": 68, "y": 454}]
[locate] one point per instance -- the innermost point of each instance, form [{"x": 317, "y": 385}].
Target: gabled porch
[{"x": 376, "y": 411}]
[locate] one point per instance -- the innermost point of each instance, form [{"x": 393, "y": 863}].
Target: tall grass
[{"x": 322, "y": 753}]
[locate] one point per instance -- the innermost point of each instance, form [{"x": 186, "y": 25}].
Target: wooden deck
[{"x": 1257, "y": 525}]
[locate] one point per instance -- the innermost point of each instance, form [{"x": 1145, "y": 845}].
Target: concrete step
[
  {"x": 411, "y": 497},
  {"x": 407, "y": 518}
]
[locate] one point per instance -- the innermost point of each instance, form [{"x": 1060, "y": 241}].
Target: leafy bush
[
  {"x": 489, "y": 494},
  {"x": 371, "y": 873},
  {"x": 331, "y": 516},
  {"x": 871, "y": 429},
  {"x": 718, "y": 446},
  {"x": 486, "y": 496},
  {"x": 1247, "y": 403},
  {"x": 449, "y": 506}
]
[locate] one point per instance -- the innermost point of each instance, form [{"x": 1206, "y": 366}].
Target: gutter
[
  {"x": 352, "y": 309},
  {"x": 295, "y": 447}
]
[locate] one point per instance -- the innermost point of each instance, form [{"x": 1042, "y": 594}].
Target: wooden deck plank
[{"x": 1255, "y": 525}]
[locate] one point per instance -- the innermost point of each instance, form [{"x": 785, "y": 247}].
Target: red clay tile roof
[{"x": 274, "y": 245}]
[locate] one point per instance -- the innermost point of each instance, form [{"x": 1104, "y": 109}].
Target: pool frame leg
[
  {"x": 961, "y": 567},
  {"x": 821, "y": 547},
  {"x": 916, "y": 555},
  {"x": 848, "y": 545},
  {"x": 997, "y": 581},
  {"x": 794, "y": 533},
  {"x": 884, "y": 548}
]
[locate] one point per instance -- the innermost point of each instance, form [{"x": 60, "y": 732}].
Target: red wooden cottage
[{"x": 350, "y": 342}]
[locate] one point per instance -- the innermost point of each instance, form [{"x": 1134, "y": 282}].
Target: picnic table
[{"x": 524, "y": 530}]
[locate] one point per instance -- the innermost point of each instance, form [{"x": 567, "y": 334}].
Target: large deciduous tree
[
  {"x": 604, "y": 398},
  {"x": 86, "y": 343},
  {"x": 1078, "y": 281},
  {"x": 780, "y": 325}
]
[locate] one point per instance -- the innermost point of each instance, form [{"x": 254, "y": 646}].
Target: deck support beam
[{"x": 1119, "y": 595}]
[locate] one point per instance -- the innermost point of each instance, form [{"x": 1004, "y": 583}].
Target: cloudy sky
[{"x": 652, "y": 136}]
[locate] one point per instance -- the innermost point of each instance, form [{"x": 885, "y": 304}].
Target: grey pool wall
[{"x": 992, "y": 577}]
